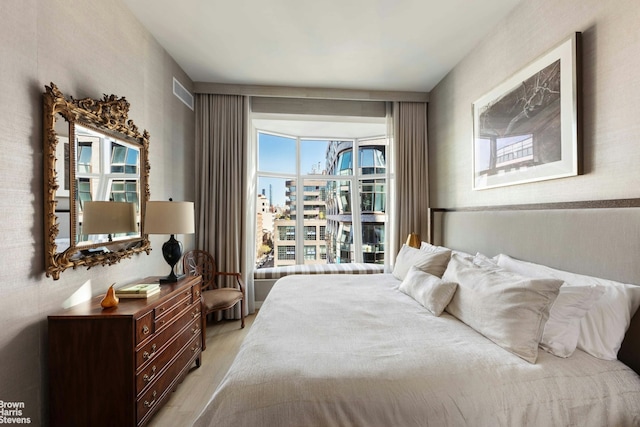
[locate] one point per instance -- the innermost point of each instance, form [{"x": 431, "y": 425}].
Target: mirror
[{"x": 96, "y": 172}]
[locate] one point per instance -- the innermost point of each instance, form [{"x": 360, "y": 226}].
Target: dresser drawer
[
  {"x": 150, "y": 399},
  {"x": 151, "y": 349},
  {"x": 172, "y": 312},
  {"x": 166, "y": 307},
  {"x": 144, "y": 327},
  {"x": 154, "y": 370}
]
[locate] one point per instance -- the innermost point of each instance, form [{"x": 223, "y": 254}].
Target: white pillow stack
[
  {"x": 602, "y": 308},
  {"x": 508, "y": 308},
  {"x": 588, "y": 313}
]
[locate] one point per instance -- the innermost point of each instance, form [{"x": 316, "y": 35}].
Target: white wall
[
  {"x": 611, "y": 102},
  {"x": 87, "y": 48}
]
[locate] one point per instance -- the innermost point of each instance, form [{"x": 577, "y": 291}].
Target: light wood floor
[{"x": 184, "y": 405}]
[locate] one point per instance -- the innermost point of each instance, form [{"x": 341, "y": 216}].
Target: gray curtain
[
  {"x": 221, "y": 145},
  {"x": 411, "y": 169}
]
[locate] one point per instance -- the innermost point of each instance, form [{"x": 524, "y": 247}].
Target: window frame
[{"x": 356, "y": 180}]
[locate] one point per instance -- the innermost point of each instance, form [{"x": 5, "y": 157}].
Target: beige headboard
[{"x": 597, "y": 238}]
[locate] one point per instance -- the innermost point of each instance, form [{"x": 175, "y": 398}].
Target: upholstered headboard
[{"x": 596, "y": 238}]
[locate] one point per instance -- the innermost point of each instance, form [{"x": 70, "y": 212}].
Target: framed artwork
[{"x": 527, "y": 128}]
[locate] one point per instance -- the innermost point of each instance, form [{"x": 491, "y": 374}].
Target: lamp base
[
  {"x": 172, "y": 251},
  {"x": 172, "y": 278}
]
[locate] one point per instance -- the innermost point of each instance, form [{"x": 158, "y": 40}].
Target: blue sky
[{"x": 278, "y": 154}]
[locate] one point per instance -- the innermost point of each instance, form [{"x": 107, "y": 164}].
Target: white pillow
[
  {"x": 430, "y": 291},
  {"x": 484, "y": 261},
  {"x": 432, "y": 262},
  {"x": 603, "y": 327},
  {"x": 424, "y": 246},
  {"x": 562, "y": 330},
  {"x": 509, "y": 309}
]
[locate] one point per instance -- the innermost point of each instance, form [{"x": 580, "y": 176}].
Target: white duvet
[{"x": 351, "y": 350}]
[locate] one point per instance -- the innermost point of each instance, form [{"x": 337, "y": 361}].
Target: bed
[{"x": 365, "y": 350}]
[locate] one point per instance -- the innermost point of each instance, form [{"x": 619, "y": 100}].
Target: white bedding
[{"x": 342, "y": 350}]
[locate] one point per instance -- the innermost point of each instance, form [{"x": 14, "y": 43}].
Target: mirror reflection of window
[
  {"x": 125, "y": 191},
  {"x": 124, "y": 159},
  {"x": 84, "y": 191},
  {"x": 84, "y": 156}
]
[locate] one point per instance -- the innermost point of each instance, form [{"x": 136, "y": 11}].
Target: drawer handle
[
  {"x": 145, "y": 329},
  {"x": 196, "y": 314},
  {"x": 197, "y": 293},
  {"x": 161, "y": 309},
  {"x": 148, "y": 404},
  {"x": 146, "y": 355},
  {"x": 195, "y": 331},
  {"x": 146, "y": 378},
  {"x": 194, "y": 349},
  {"x": 161, "y": 322}
]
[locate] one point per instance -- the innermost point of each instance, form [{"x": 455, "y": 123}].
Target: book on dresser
[
  {"x": 141, "y": 290},
  {"x": 117, "y": 366}
]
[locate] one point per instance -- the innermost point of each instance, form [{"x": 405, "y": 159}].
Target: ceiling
[{"x": 390, "y": 45}]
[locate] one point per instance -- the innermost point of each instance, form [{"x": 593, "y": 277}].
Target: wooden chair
[{"x": 214, "y": 298}]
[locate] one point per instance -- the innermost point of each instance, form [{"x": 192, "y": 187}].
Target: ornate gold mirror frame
[{"x": 91, "y": 144}]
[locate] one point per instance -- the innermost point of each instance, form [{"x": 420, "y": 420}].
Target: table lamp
[
  {"x": 170, "y": 218},
  {"x": 413, "y": 240},
  {"x": 106, "y": 217}
]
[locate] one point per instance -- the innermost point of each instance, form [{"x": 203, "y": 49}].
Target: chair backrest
[{"x": 197, "y": 262}]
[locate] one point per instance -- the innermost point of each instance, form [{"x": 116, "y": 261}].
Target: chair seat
[{"x": 220, "y": 298}]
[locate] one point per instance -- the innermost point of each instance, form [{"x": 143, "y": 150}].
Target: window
[
  {"x": 373, "y": 243},
  {"x": 85, "y": 154},
  {"x": 287, "y": 232},
  {"x": 287, "y": 252},
  {"x": 124, "y": 191},
  {"x": 84, "y": 191},
  {"x": 372, "y": 195},
  {"x": 124, "y": 159},
  {"x": 309, "y": 232},
  {"x": 372, "y": 161},
  {"x": 309, "y": 253},
  {"x": 321, "y": 200}
]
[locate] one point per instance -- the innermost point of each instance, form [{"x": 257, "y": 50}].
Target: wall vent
[{"x": 182, "y": 93}]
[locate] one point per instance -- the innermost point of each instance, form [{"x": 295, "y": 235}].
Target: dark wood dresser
[{"x": 117, "y": 366}]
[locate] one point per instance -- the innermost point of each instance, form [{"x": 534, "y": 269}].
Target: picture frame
[{"x": 528, "y": 128}]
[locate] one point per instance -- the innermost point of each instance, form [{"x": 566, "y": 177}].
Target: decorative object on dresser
[
  {"x": 170, "y": 218},
  {"x": 117, "y": 367},
  {"x": 92, "y": 152},
  {"x": 215, "y": 297},
  {"x": 110, "y": 299},
  {"x": 141, "y": 290}
]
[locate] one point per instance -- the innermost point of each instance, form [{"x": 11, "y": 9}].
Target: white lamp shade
[
  {"x": 108, "y": 217},
  {"x": 169, "y": 218}
]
